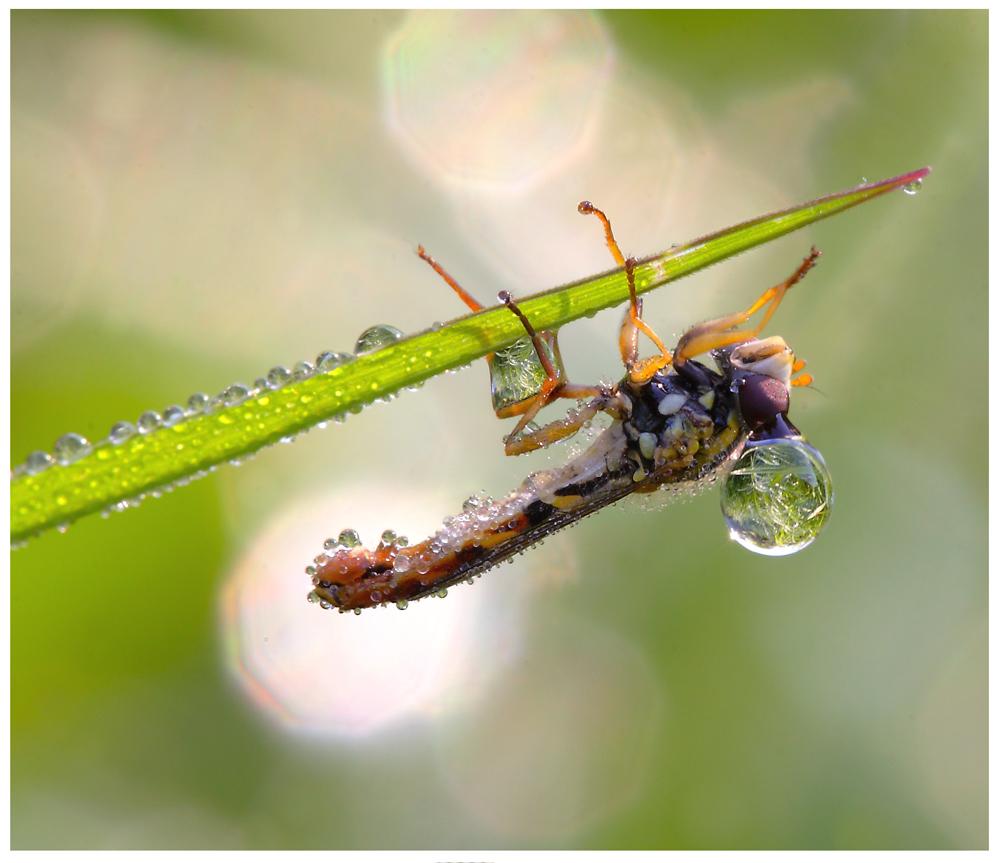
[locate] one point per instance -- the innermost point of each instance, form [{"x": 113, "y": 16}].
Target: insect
[{"x": 676, "y": 423}]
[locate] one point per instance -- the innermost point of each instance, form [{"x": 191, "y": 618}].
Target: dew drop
[
  {"x": 121, "y": 432},
  {"x": 148, "y": 421},
  {"x": 349, "y": 538},
  {"x": 778, "y": 497},
  {"x": 278, "y": 377},
  {"x": 402, "y": 603},
  {"x": 70, "y": 447},
  {"x": 388, "y": 538},
  {"x": 37, "y": 461},
  {"x": 172, "y": 415},
  {"x": 331, "y": 544},
  {"x": 62, "y": 527},
  {"x": 913, "y": 186},
  {"x": 443, "y": 592},
  {"x": 375, "y": 338},
  {"x": 329, "y": 360},
  {"x": 197, "y": 403},
  {"x": 260, "y": 386},
  {"x": 303, "y": 371},
  {"x": 234, "y": 394}
]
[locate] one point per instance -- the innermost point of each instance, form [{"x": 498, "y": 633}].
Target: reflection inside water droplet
[
  {"x": 375, "y": 338},
  {"x": 778, "y": 497},
  {"x": 70, "y": 447}
]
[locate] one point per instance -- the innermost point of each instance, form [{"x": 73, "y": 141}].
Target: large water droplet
[
  {"x": 375, "y": 338},
  {"x": 121, "y": 432},
  {"x": 913, "y": 187},
  {"x": 70, "y": 447},
  {"x": 148, "y": 421},
  {"x": 37, "y": 461},
  {"x": 778, "y": 497}
]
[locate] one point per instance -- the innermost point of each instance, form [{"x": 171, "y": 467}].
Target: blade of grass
[{"x": 110, "y": 475}]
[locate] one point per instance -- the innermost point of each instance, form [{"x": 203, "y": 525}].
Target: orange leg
[
  {"x": 719, "y": 333},
  {"x": 633, "y": 324},
  {"x": 467, "y": 298},
  {"x": 553, "y": 388},
  {"x": 503, "y": 407}
]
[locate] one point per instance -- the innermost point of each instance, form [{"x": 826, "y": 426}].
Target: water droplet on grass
[
  {"x": 69, "y": 448},
  {"x": 375, "y": 338}
]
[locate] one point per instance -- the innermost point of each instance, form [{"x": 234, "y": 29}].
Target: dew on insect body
[
  {"x": 37, "y": 461},
  {"x": 329, "y": 360},
  {"x": 234, "y": 394},
  {"x": 375, "y": 338},
  {"x": 70, "y": 447},
  {"x": 388, "y": 538},
  {"x": 778, "y": 497},
  {"x": 349, "y": 538},
  {"x": 303, "y": 371},
  {"x": 172, "y": 415},
  {"x": 913, "y": 186},
  {"x": 331, "y": 544},
  {"x": 278, "y": 377},
  {"x": 401, "y": 604}
]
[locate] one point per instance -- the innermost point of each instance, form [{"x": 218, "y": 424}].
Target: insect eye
[{"x": 762, "y": 399}]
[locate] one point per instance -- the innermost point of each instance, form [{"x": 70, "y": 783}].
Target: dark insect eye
[{"x": 762, "y": 399}]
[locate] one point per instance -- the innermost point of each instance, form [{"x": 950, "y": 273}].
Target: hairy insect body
[{"x": 675, "y": 429}]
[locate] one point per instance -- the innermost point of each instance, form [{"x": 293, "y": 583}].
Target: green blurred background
[{"x": 197, "y": 197}]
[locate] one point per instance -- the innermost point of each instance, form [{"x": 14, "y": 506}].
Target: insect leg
[
  {"x": 507, "y": 401},
  {"x": 719, "y": 333},
  {"x": 466, "y": 297},
  {"x": 632, "y": 324},
  {"x": 554, "y": 387}
]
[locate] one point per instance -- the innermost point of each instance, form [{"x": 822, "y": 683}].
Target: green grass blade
[{"x": 110, "y": 474}]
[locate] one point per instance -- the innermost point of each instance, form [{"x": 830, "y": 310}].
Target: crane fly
[{"x": 675, "y": 423}]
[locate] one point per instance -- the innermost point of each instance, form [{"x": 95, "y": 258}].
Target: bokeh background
[{"x": 197, "y": 197}]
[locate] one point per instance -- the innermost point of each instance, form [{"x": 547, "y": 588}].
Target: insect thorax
[{"x": 679, "y": 425}]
